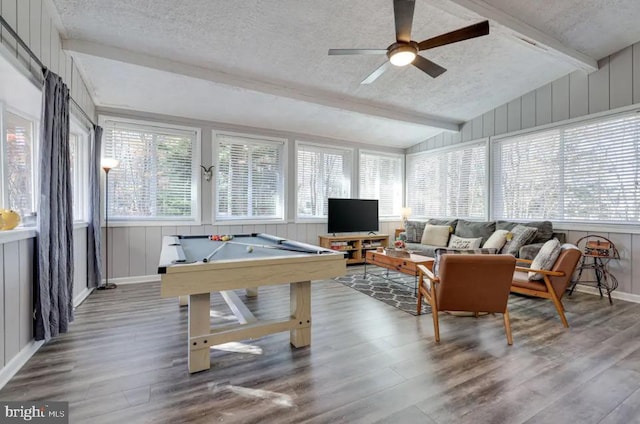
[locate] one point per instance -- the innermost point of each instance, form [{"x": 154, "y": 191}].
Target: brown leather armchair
[
  {"x": 554, "y": 282},
  {"x": 473, "y": 283}
]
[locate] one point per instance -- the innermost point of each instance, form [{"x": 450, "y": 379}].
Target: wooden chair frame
[
  {"x": 549, "y": 294},
  {"x": 429, "y": 293}
]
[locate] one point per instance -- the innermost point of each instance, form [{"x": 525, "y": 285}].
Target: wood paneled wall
[
  {"x": 616, "y": 84},
  {"x": 35, "y": 24},
  {"x": 17, "y": 264}
]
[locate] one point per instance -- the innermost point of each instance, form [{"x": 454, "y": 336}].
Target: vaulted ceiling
[{"x": 265, "y": 63}]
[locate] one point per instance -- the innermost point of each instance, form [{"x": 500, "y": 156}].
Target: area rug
[{"x": 398, "y": 293}]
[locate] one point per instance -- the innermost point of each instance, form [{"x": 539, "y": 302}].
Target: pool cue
[
  {"x": 208, "y": 258},
  {"x": 278, "y": 247}
]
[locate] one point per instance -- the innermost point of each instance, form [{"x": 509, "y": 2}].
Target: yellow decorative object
[{"x": 9, "y": 219}]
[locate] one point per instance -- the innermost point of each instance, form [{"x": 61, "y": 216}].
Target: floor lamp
[{"x": 107, "y": 165}]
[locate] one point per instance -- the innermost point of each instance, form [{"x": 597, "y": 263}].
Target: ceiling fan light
[{"x": 402, "y": 57}]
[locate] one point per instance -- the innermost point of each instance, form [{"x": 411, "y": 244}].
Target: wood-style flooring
[{"x": 124, "y": 361}]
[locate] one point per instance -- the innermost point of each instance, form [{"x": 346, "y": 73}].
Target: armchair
[
  {"x": 475, "y": 283},
  {"x": 553, "y": 284}
]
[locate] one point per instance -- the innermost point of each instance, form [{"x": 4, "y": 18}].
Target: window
[
  {"x": 79, "y": 158},
  {"x": 448, "y": 182},
  {"x": 18, "y": 152},
  {"x": 157, "y": 177},
  {"x": 250, "y": 178},
  {"x": 586, "y": 171},
  {"x": 321, "y": 172},
  {"x": 381, "y": 178}
]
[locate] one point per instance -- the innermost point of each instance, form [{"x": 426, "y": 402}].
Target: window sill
[{"x": 17, "y": 234}]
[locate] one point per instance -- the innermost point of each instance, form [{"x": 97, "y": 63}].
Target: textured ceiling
[{"x": 288, "y": 82}]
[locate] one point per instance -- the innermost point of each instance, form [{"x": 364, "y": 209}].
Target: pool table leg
[
  {"x": 199, "y": 325},
  {"x": 300, "y": 299},
  {"x": 251, "y": 291}
]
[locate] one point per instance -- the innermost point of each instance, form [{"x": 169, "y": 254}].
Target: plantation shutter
[
  {"x": 448, "y": 183},
  {"x": 250, "y": 178},
  {"x": 322, "y": 173},
  {"x": 155, "y": 177},
  {"x": 381, "y": 179}
]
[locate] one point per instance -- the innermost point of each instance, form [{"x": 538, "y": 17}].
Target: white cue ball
[{"x": 249, "y": 249}]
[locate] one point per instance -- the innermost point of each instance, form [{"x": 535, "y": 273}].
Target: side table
[{"x": 597, "y": 252}]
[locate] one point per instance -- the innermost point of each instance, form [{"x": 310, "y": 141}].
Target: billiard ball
[
  {"x": 249, "y": 249},
  {"x": 224, "y": 238}
]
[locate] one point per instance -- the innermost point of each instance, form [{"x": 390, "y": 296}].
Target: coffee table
[{"x": 406, "y": 265}]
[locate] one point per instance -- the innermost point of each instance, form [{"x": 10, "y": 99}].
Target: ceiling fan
[{"x": 405, "y": 51}]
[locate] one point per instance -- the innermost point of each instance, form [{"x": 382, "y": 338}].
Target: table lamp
[{"x": 405, "y": 213}]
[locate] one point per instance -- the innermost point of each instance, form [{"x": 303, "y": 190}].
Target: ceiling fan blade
[
  {"x": 472, "y": 31},
  {"x": 403, "y": 12},
  {"x": 425, "y": 65},
  {"x": 375, "y": 74},
  {"x": 335, "y": 52}
]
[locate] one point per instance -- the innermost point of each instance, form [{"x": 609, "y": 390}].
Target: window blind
[
  {"x": 250, "y": 178},
  {"x": 155, "y": 177},
  {"x": 587, "y": 171},
  {"x": 19, "y": 174},
  {"x": 322, "y": 172},
  {"x": 448, "y": 183},
  {"x": 381, "y": 179}
]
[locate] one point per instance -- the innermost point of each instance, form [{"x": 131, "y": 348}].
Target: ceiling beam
[
  {"x": 250, "y": 83},
  {"x": 530, "y": 34}
]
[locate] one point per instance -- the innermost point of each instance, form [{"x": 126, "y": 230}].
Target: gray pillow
[
  {"x": 441, "y": 251},
  {"x": 520, "y": 235},
  {"x": 544, "y": 234},
  {"x": 414, "y": 231},
  {"x": 474, "y": 229},
  {"x": 545, "y": 259},
  {"x": 450, "y": 222}
]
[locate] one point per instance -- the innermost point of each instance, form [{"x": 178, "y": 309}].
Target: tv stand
[{"x": 355, "y": 246}]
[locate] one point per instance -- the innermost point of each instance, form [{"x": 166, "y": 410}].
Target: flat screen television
[{"x": 352, "y": 215}]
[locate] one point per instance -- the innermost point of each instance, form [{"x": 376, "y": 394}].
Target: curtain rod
[{"x": 35, "y": 58}]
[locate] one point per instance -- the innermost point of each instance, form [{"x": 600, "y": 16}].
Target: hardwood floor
[{"x": 124, "y": 361}]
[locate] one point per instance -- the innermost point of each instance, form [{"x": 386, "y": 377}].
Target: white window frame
[
  {"x": 81, "y": 166},
  {"x": 196, "y": 206},
  {"x": 563, "y": 224},
  {"x": 284, "y": 143},
  {"x": 397, "y": 207},
  {"x": 350, "y": 173},
  {"x": 482, "y": 141},
  {"x": 28, "y": 220}
]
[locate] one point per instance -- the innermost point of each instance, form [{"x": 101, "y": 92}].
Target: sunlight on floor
[
  {"x": 221, "y": 315},
  {"x": 239, "y": 348},
  {"x": 279, "y": 399}
]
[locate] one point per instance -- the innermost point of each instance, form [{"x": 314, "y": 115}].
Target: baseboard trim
[
  {"x": 81, "y": 297},
  {"x": 629, "y": 297},
  {"x": 136, "y": 279},
  {"x": 18, "y": 361}
]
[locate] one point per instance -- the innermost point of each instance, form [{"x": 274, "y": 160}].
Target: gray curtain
[
  {"x": 54, "y": 287},
  {"x": 94, "y": 238}
]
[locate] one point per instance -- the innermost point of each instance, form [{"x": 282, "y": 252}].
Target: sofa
[{"x": 413, "y": 231}]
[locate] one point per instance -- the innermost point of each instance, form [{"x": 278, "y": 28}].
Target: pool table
[{"x": 195, "y": 266}]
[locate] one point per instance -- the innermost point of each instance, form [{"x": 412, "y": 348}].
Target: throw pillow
[
  {"x": 473, "y": 229},
  {"x": 497, "y": 239},
  {"x": 440, "y": 252},
  {"x": 545, "y": 258},
  {"x": 414, "y": 230},
  {"x": 436, "y": 235},
  {"x": 464, "y": 243},
  {"x": 520, "y": 235}
]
